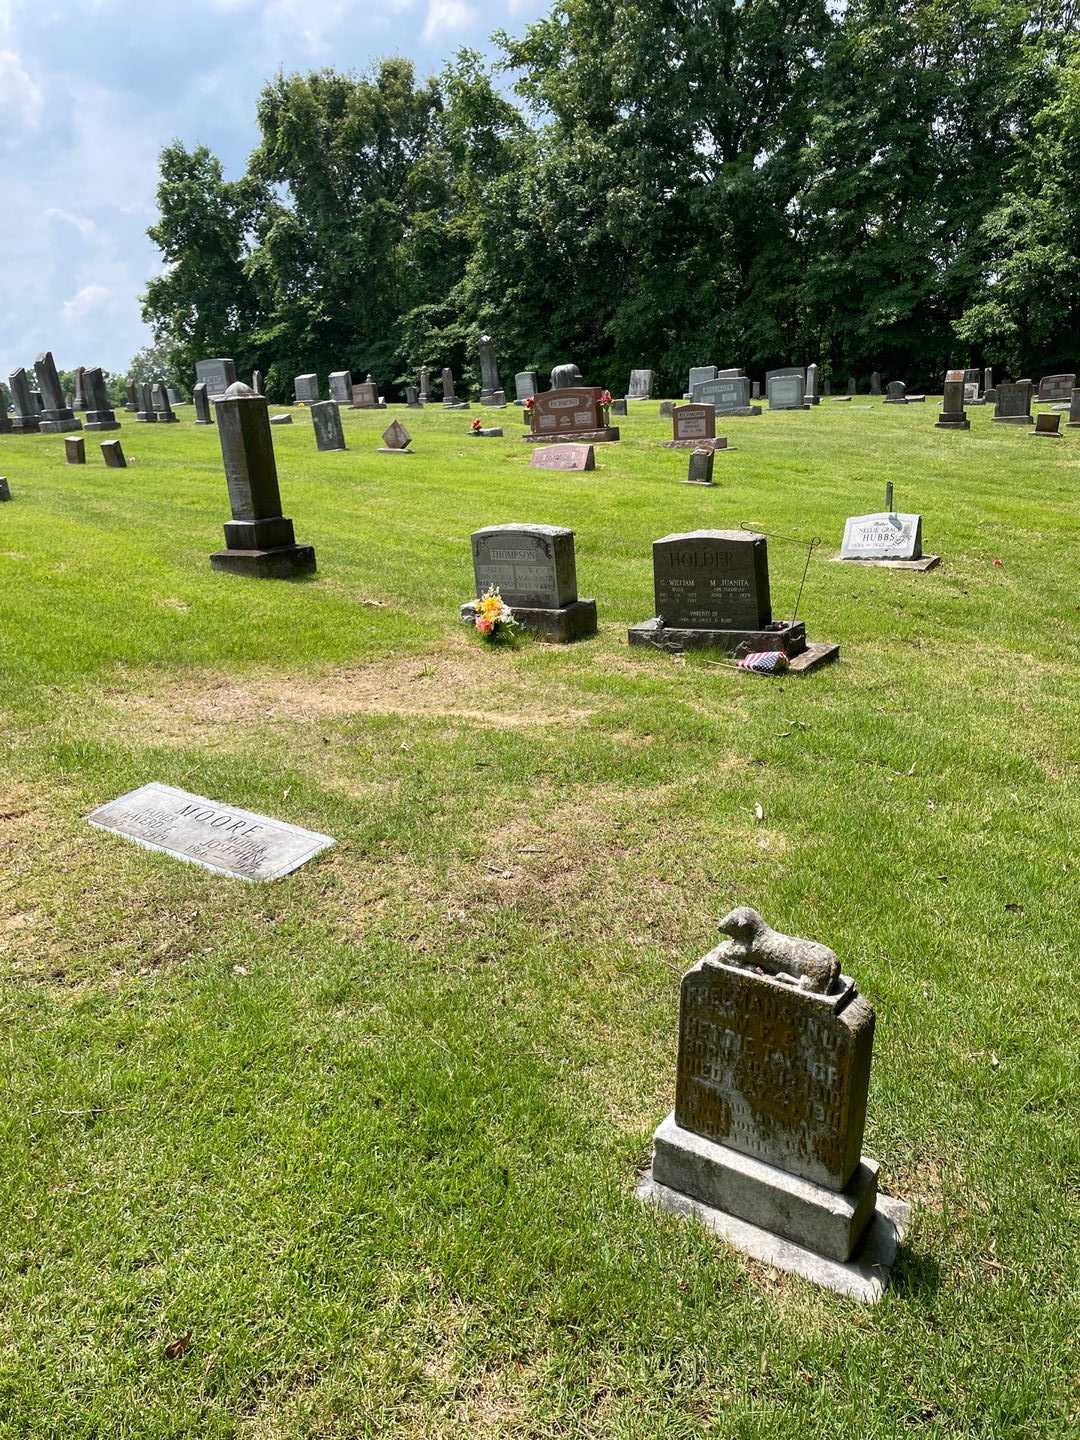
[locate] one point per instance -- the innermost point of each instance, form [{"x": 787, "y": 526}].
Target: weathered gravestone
[
  {"x": 727, "y": 394},
  {"x": 618, "y": 407},
  {"x": 875, "y": 382},
  {"x": 112, "y": 452},
  {"x": 785, "y": 391},
  {"x": 490, "y": 385},
  {"x": 341, "y": 386},
  {"x": 764, "y": 1144},
  {"x": 5, "y": 418},
  {"x": 641, "y": 385},
  {"x": 1013, "y": 404},
  {"x": 826, "y": 386},
  {"x": 570, "y": 414},
  {"x": 132, "y": 402},
  {"x": 412, "y": 398},
  {"x": 257, "y": 382},
  {"x": 699, "y": 374},
  {"x": 852, "y": 387},
  {"x": 952, "y": 415},
  {"x": 146, "y": 414},
  {"x": 25, "y": 420},
  {"x": 96, "y": 397},
  {"x": 221, "y": 838},
  {"x": 693, "y": 427},
  {"x": 163, "y": 405},
  {"x": 526, "y": 384},
  {"x": 260, "y": 540},
  {"x": 1074, "y": 410},
  {"x": 201, "y": 400},
  {"x": 75, "y": 450},
  {"x": 55, "y": 416},
  {"x": 971, "y": 394},
  {"x": 174, "y": 395},
  {"x": 755, "y": 390},
  {"x": 667, "y": 409},
  {"x": 896, "y": 393},
  {"x": 79, "y": 402},
  {"x": 1049, "y": 424},
  {"x": 700, "y": 469},
  {"x": 217, "y": 375},
  {"x": 564, "y": 457},
  {"x": 534, "y": 570},
  {"x": 326, "y": 419},
  {"x": 566, "y": 377},
  {"x": 365, "y": 396},
  {"x": 280, "y": 419},
  {"x": 396, "y": 440},
  {"x": 1056, "y": 387},
  {"x": 450, "y": 400},
  {"x": 711, "y": 590},
  {"x": 988, "y": 379},
  {"x": 306, "y": 389},
  {"x": 887, "y": 539},
  {"x": 813, "y": 384}
]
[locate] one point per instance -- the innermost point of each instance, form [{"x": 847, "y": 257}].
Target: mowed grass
[{"x": 353, "y": 1154}]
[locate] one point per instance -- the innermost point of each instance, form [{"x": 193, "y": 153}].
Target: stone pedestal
[
  {"x": 765, "y": 1142},
  {"x": 259, "y": 540}
]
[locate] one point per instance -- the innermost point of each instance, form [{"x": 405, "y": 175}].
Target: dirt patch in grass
[{"x": 206, "y": 707}]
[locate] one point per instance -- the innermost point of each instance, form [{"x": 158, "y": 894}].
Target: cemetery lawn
[{"x": 353, "y": 1154}]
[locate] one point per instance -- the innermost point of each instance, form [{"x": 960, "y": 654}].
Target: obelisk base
[{"x": 280, "y": 563}]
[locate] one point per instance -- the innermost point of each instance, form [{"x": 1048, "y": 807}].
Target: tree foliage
[{"x": 680, "y": 182}]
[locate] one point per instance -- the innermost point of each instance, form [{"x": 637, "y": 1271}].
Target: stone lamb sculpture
[{"x": 754, "y": 946}]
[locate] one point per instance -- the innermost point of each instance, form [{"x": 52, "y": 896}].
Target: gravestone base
[
  {"x": 280, "y": 563},
  {"x": 587, "y": 437},
  {"x": 24, "y": 424},
  {"x": 948, "y": 421},
  {"x": 56, "y": 422},
  {"x": 790, "y": 637},
  {"x": 864, "y": 1277},
  {"x": 1012, "y": 419},
  {"x": 924, "y": 562},
  {"x": 168, "y": 418},
  {"x": 570, "y": 622},
  {"x": 101, "y": 420},
  {"x": 718, "y": 443},
  {"x": 829, "y": 1222}
]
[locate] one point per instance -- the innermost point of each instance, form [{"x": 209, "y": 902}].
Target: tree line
[{"x": 651, "y": 183}]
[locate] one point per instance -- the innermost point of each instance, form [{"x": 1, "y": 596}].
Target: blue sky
[{"x": 89, "y": 93}]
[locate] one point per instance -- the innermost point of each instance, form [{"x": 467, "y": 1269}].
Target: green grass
[{"x": 370, "y": 1134}]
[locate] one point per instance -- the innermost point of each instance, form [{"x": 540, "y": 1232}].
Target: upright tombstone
[
  {"x": 5, "y": 489},
  {"x": 1056, "y": 388},
  {"x": 1074, "y": 411},
  {"x": 80, "y": 389},
  {"x": 813, "y": 384},
  {"x": 764, "y": 1144},
  {"x": 146, "y": 413},
  {"x": 1013, "y": 404},
  {"x": 700, "y": 469},
  {"x": 641, "y": 385},
  {"x": 75, "y": 450},
  {"x": 711, "y": 590},
  {"x": 163, "y": 404},
  {"x": 1048, "y": 425},
  {"x": 570, "y": 414},
  {"x": 341, "y": 386},
  {"x": 693, "y": 427},
  {"x": 306, "y": 389},
  {"x": 396, "y": 440},
  {"x": 55, "y": 416},
  {"x": 425, "y": 384},
  {"x": 566, "y": 377},
  {"x": 217, "y": 375},
  {"x": 5, "y": 418},
  {"x": 257, "y": 382},
  {"x": 131, "y": 404},
  {"x": 786, "y": 390},
  {"x": 755, "y": 390},
  {"x": 112, "y": 452},
  {"x": 952, "y": 415},
  {"x": 25, "y": 421},
  {"x": 534, "y": 570},
  {"x": 98, "y": 414},
  {"x": 201, "y": 400},
  {"x": 526, "y": 385},
  {"x": 175, "y": 398},
  {"x": 896, "y": 393},
  {"x": 490, "y": 384},
  {"x": 988, "y": 379},
  {"x": 886, "y": 539},
  {"x": 699, "y": 374},
  {"x": 875, "y": 382},
  {"x": 826, "y": 386},
  {"x": 449, "y": 389},
  {"x": 260, "y": 540},
  {"x": 727, "y": 394},
  {"x": 326, "y": 419},
  {"x": 365, "y": 396},
  {"x": 619, "y": 407},
  {"x": 412, "y": 398}
]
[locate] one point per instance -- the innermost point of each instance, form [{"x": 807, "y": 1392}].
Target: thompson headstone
[{"x": 534, "y": 569}]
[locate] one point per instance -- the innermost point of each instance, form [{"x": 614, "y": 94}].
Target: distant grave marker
[
  {"x": 326, "y": 419},
  {"x": 396, "y": 440},
  {"x": 564, "y": 457}
]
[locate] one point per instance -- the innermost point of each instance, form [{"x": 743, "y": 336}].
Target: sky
[{"x": 90, "y": 93}]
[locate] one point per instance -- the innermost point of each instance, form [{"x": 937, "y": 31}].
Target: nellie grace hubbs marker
[{"x": 218, "y": 837}]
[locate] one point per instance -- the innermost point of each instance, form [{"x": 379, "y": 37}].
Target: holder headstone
[
  {"x": 260, "y": 540},
  {"x": 765, "y": 1141},
  {"x": 326, "y": 421},
  {"x": 55, "y": 416},
  {"x": 534, "y": 569}
]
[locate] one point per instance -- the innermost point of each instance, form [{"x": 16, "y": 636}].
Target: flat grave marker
[{"x": 564, "y": 457}]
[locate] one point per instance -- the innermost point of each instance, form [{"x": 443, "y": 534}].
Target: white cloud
[
  {"x": 85, "y": 301},
  {"x": 82, "y": 223},
  {"x": 21, "y": 100},
  {"x": 444, "y": 16}
]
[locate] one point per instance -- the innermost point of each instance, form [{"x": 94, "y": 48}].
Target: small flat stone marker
[
  {"x": 280, "y": 419},
  {"x": 1049, "y": 423},
  {"x": 490, "y": 432},
  {"x": 112, "y": 452},
  {"x": 75, "y": 449},
  {"x": 564, "y": 457},
  {"x": 396, "y": 440},
  {"x": 218, "y": 837}
]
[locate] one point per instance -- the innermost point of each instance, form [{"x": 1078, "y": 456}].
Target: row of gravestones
[{"x": 45, "y": 409}]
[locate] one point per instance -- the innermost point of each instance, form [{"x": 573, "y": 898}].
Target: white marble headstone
[
  {"x": 221, "y": 838},
  {"x": 882, "y": 537}
]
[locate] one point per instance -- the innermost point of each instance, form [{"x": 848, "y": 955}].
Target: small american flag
[{"x": 765, "y": 662}]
